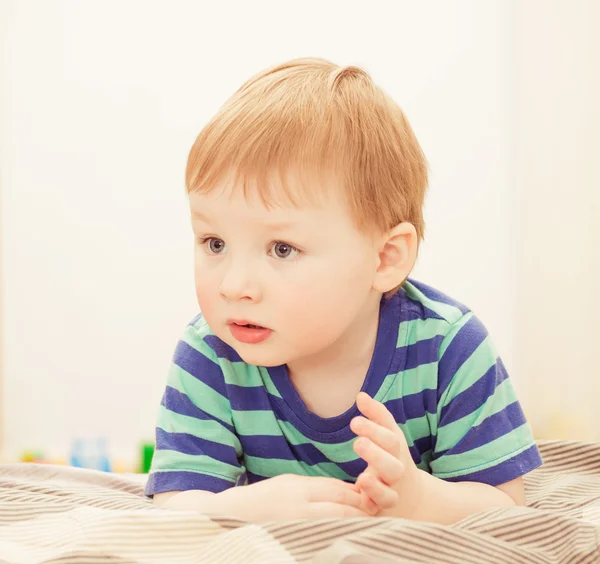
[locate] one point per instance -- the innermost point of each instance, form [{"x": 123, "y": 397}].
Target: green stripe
[
  {"x": 408, "y": 382},
  {"x": 259, "y": 422},
  {"x": 201, "y": 463},
  {"x": 456, "y": 327},
  {"x": 209, "y": 429},
  {"x": 268, "y": 382},
  {"x": 270, "y": 467},
  {"x": 418, "y": 428},
  {"x": 213, "y": 402},
  {"x": 425, "y": 461},
  {"x": 336, "y": 452},
  {"x": 202, "y": 326},
  {"x": 240, "y": 373},
  {"x": 480, "y": 361},
  {"x": 449, "y": 435},
  {"x": 449, "y": 312},
  {"x": 194, "y": 338},
  {"x": 493, "y": 453},
  {"x": 251, "y": 423},
  {"x": 423, "y": 329}
]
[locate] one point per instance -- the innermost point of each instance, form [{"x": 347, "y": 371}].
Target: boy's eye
[
  {"x": 215, "y": 246},
  {"x": 284, "y": 250}
]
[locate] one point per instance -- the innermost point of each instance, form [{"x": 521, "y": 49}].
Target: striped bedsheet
[{"x": 61, "y": 515}]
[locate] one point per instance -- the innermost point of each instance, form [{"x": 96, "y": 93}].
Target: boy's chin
[{"x": 251, "y": 354}]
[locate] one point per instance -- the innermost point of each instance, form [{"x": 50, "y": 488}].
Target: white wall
[
  {"x": 101, "y": 102},
  {"x": 558, "y": 186}
]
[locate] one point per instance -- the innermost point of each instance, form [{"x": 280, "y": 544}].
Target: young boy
[{"x": 306, "y": 193}]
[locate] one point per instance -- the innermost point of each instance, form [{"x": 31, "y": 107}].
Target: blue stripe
[
  {"x": 190, "y": 444},
  {"x": 341, "y": 434},
  {"x": 422, "y": 352},
  {"x": 415, "y": 454},
  {"x": 463, "y": 345},
  {"x": 474, "y": 398},
  {"x": 160, "y": 482},
  {"x": 222, "y": 349},
  {"x": 277, "y": 447},
  {"x": 200, "y": 367},
  {"x": 353, "y": 468},
  {"x": 310, "y": 454},
  {"x": 506, "y": 471},
  {"x": 417, "y": 405},
  {"x": 180, "y": 403},
  {"x": 266, "y": 446},
  {"x": 253, "y": 478},
  {"x": 494, "y": 427},
  {"x": 248, "y": 398},
  {"x": 438, "y": 296},
  {"x": 424, "y": 313},
  {"x": 423, "y": 445},
  {"x": 413, "y": 406}
]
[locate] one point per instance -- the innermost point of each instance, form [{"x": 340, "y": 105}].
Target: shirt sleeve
[
  {"x": 482, "y": 433},
  {"x": 196, "y": 444}
]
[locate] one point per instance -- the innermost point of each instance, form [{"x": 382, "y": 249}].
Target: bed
[{"x": 63, "y": 515}]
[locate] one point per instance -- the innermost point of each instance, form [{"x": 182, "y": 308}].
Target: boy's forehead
[
  {"x": 249, "y": 210},
  {"x": 279, "y": 200}
]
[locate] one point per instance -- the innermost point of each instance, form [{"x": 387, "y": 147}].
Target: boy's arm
[
  {"x": 400, "y": 489},
  {"x": 480, "y": 444},
  {"x": 197, "y": 447},
  {"x": 281, "y": 498},
  {"x": 191, "y": 499},
  {"x": 442, "y": 502}
]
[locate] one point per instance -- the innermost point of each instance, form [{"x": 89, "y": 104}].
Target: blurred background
[{"x": 101, "y": 101}]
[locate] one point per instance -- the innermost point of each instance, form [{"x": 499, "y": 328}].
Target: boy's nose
[{"x": 239, "y": 283}]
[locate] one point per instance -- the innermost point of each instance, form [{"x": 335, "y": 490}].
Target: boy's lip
[
  {"x": 248, "y": 335},
  {"x": 244, "y": 322}
]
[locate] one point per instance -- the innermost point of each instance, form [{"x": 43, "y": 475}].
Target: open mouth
[
  {"x": 243, "y": 323},
  {"x": 249, "y": 333}
]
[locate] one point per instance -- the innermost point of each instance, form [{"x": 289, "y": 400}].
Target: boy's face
[{"x": 303, "y": 275}]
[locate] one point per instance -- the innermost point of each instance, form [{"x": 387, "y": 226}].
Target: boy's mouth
[
  {"x": 246, "y": 332},
  {"x": 245, "y": 323}
]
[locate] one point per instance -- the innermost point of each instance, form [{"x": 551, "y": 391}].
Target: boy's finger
[
  {"x": 376, "y": 411},
  {"x": 368, "y": 505},
  {"x": 334, "y": 491},
  {"x": 327, "y": 510},
  {"x": 381, "y": 436},
  {"x": 388, "y": 467},
  {"x": 383, "y": 496}
]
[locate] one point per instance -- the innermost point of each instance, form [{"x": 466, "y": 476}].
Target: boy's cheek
[{"x": 206, "y": 299}]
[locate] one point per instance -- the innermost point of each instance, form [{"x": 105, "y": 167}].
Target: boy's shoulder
[
  {"x": 421, "y": 301},
  {"x": 436, "y": 322}
]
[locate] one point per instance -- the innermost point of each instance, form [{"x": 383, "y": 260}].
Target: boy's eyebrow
[
  {"x": 274, "y": 226},
  {"x": 279, "y": 225},
  {"x": 200, "y": 216}
]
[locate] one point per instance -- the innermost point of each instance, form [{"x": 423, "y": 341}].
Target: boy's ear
[{"x": 397, "y": 257}]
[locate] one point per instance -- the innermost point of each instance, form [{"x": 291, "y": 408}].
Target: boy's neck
[{"x": 343, "y": 366}]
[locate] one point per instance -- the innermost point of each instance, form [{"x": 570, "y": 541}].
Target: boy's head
[{"x": 306, "y": 191}]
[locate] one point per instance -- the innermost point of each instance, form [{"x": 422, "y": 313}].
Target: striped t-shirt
[{"x": 224, "y": 422}]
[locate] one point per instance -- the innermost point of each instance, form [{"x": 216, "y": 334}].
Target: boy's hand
[
  {"x": 290, "y": 496},
  {"x": 392, "y": 480}
]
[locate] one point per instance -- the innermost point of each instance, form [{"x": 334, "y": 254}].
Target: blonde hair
[{"x": 312, "y": 117}]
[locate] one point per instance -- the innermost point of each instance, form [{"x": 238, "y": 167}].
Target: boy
[{"x": 306, "y": 194}]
